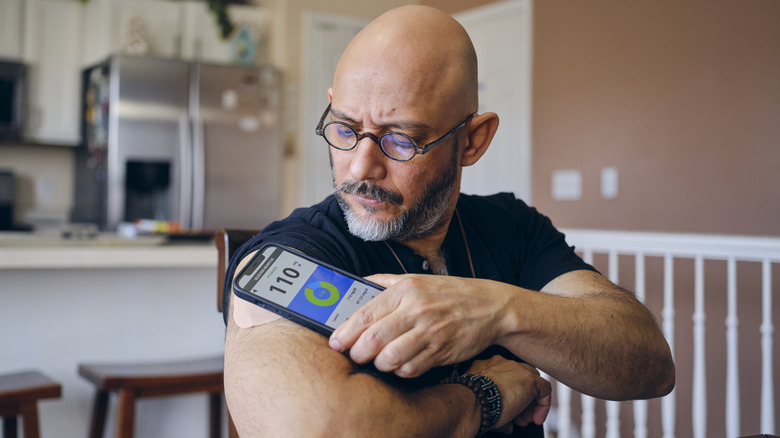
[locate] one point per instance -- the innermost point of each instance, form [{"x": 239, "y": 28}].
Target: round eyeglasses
[{"x": 395, "y": 145}]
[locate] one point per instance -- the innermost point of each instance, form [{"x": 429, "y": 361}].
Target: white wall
[{"x": 53, "y": 319}]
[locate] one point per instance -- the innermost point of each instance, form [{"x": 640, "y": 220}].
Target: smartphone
[{"x": 302, "y": 289}]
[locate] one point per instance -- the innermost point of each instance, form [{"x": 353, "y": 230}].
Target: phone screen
[{"x": 305, "y": 287}]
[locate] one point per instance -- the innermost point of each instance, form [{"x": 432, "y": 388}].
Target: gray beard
[{"x": 427, "y": 215}]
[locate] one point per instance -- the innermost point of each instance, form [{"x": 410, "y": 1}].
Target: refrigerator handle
[
  {"x": 185, "y": 173},
  {"x": 198, "y": 174}
]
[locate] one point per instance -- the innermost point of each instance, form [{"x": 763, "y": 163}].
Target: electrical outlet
[
  {"x": 609, "y": 182},
  {"x": 44, "y": 190},
  {"x": 567, "y": 185}
]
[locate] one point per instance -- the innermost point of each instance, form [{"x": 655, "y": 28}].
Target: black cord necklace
[{"x": 465, "y": 243}]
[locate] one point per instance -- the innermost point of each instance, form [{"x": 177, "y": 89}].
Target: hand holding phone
[{"x": 302, "y": 289}]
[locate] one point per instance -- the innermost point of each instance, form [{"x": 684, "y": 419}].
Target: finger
[
  {"x": 399, "y": 351},
  {"x": 345, "y": 336},
  {"x": 378, "y": 335},
  {"x": 537, "y": 411},
  {"x": 543, "y": 402},
  {"x": 427, "y": 357}
]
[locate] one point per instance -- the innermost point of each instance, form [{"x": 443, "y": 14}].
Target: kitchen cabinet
[
  {"x": 70, "y": 304},
  {"x": 143, "y": 27},
  {"x": 167, "y": 29},
  {"x": 52, "y": 51},
  {"x": 202, "y": 39},
  {"x": 10, "y": 29}
]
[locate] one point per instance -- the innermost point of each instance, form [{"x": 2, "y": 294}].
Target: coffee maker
[
  {"x": 7, "y": 198},
  {"x": 8, "y": 202}
]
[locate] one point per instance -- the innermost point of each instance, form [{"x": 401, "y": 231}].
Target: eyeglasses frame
[{"x": 418, "y": 150}]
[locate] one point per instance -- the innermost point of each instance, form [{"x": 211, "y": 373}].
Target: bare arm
[
  {"x": 593, "y": 336},
  {"x": 582, "y": 330},
  {"x": 283, "y": 380}
]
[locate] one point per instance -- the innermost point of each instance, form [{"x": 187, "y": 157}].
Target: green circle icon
[{"x": 316, "y": 292}]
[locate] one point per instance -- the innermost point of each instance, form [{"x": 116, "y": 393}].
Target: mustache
[{"x": 371, "y": 191}]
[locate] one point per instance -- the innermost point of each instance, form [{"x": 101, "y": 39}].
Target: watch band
[{"x": 487, "y": 394}]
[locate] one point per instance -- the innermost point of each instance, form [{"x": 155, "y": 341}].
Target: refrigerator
[{"x": 195, "y": 144}]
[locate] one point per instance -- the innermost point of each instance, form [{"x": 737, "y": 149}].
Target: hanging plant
[{"x": 219, "y": 9}]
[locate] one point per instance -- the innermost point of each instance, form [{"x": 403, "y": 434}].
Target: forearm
[
  {"x": 603, "y": 343},
  {"x": 277, "y": 387}
]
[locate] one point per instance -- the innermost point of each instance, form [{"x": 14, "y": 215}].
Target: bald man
[{"x": 481, "y": 291}]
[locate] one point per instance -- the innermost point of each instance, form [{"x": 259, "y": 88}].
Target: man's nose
[{"x": 367, "y": 161}]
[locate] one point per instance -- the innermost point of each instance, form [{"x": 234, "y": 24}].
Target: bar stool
[
  {"x": 138, "y": 380},
  {"x": 132, "y": 381},
  {"x": 228, "y": 241},
  {"x": 19, "y": 395}
]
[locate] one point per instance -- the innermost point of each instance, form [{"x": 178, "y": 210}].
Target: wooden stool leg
[
  {"x": 9, "y": 426},
  {"x": 99, "y": 408},
  {"x": 126, "y": 414},
  {"x": 30, "y": 420},
  {"x": 215, "y": 414}
]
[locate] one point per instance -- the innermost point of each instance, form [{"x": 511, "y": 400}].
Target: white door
[
  {"x": 327, "y": 37},
  {"x": 501, "y": 33}
]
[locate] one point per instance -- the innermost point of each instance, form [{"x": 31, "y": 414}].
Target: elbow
[
  {"x": 660, "y": 379},
  {"x": 655, "y": 377},
  {"x": 666, "y": 379}
]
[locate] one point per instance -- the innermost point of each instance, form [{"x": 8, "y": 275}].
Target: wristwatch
[{"x": 487, "y": 394}]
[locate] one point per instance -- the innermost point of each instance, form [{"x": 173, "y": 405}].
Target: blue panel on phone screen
[{"x": 321, "y": 294}]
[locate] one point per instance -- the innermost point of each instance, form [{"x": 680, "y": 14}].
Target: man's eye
[
  {"x": 343, "y": 131},
  {"x": 401, "y": 141}
]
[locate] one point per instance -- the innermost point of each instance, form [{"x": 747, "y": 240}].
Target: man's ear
[
  {"x": 330, "y": 95},
  {"x": 479, "y": 138}
]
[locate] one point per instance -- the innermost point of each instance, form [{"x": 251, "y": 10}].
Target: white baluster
[
  {"x": 767, "y": 330},
  {"x": 699, "y": 370},
  {"x": 587, "y": 256},
  {"x": 613, "y": 419},
  {"x": 588, "y": 429},
  {"x": 669, "y": 402},
  {"x": 613, "y": 408},
  {"x": 588, "y": 416},
  {"x": 640, "y": 406},
  {"x": 640, "y": 418},
  {"x": 732, "y": 353},
  {"x": 564, "y": 410}
]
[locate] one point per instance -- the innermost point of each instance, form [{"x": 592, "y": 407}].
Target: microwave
[{"x": 13, "y": 95}]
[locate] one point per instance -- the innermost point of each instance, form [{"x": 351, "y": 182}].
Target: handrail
[
  {"x": 709, "y": 246},
  {"x": 699, "y": 247}
]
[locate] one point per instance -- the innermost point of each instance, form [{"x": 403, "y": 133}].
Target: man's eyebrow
[{"x": 410, "y": 125}]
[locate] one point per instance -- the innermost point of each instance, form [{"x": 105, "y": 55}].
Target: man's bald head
[{"x": 411, "y": 55}]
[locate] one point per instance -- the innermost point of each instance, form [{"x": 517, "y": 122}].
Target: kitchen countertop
[{"x": 48, "y": 251}]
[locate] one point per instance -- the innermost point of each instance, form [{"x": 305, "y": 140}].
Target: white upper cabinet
[
  {"x": 52, "y": 51},
  {"x": 57, "y": 39},
  {"x": 11, "y": 29},
  {"x": 202, "y": 39},
  {"x": 142, "y": 27},
  {"x": 169, "y": 29}
]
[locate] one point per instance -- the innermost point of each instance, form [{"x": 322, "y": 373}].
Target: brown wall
[{"x": 683, "y": 97}]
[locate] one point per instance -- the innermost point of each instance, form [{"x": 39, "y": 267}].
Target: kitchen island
[{"x": 67, "y": 302}]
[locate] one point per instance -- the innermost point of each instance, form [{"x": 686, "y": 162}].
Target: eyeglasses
[{"x": 395, "y": 145}]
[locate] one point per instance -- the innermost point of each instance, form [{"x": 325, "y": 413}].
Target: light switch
[
  {"x": 567, "y": 185},
  {"x": 609, "y": 182}
]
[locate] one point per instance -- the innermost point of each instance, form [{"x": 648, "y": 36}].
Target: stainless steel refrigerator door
[
  {"x": 238, "y": 140},
  {"x": 149, "y": 124}
]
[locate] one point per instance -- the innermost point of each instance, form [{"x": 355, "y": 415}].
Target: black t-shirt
[{"x": 507, "y": 240}]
